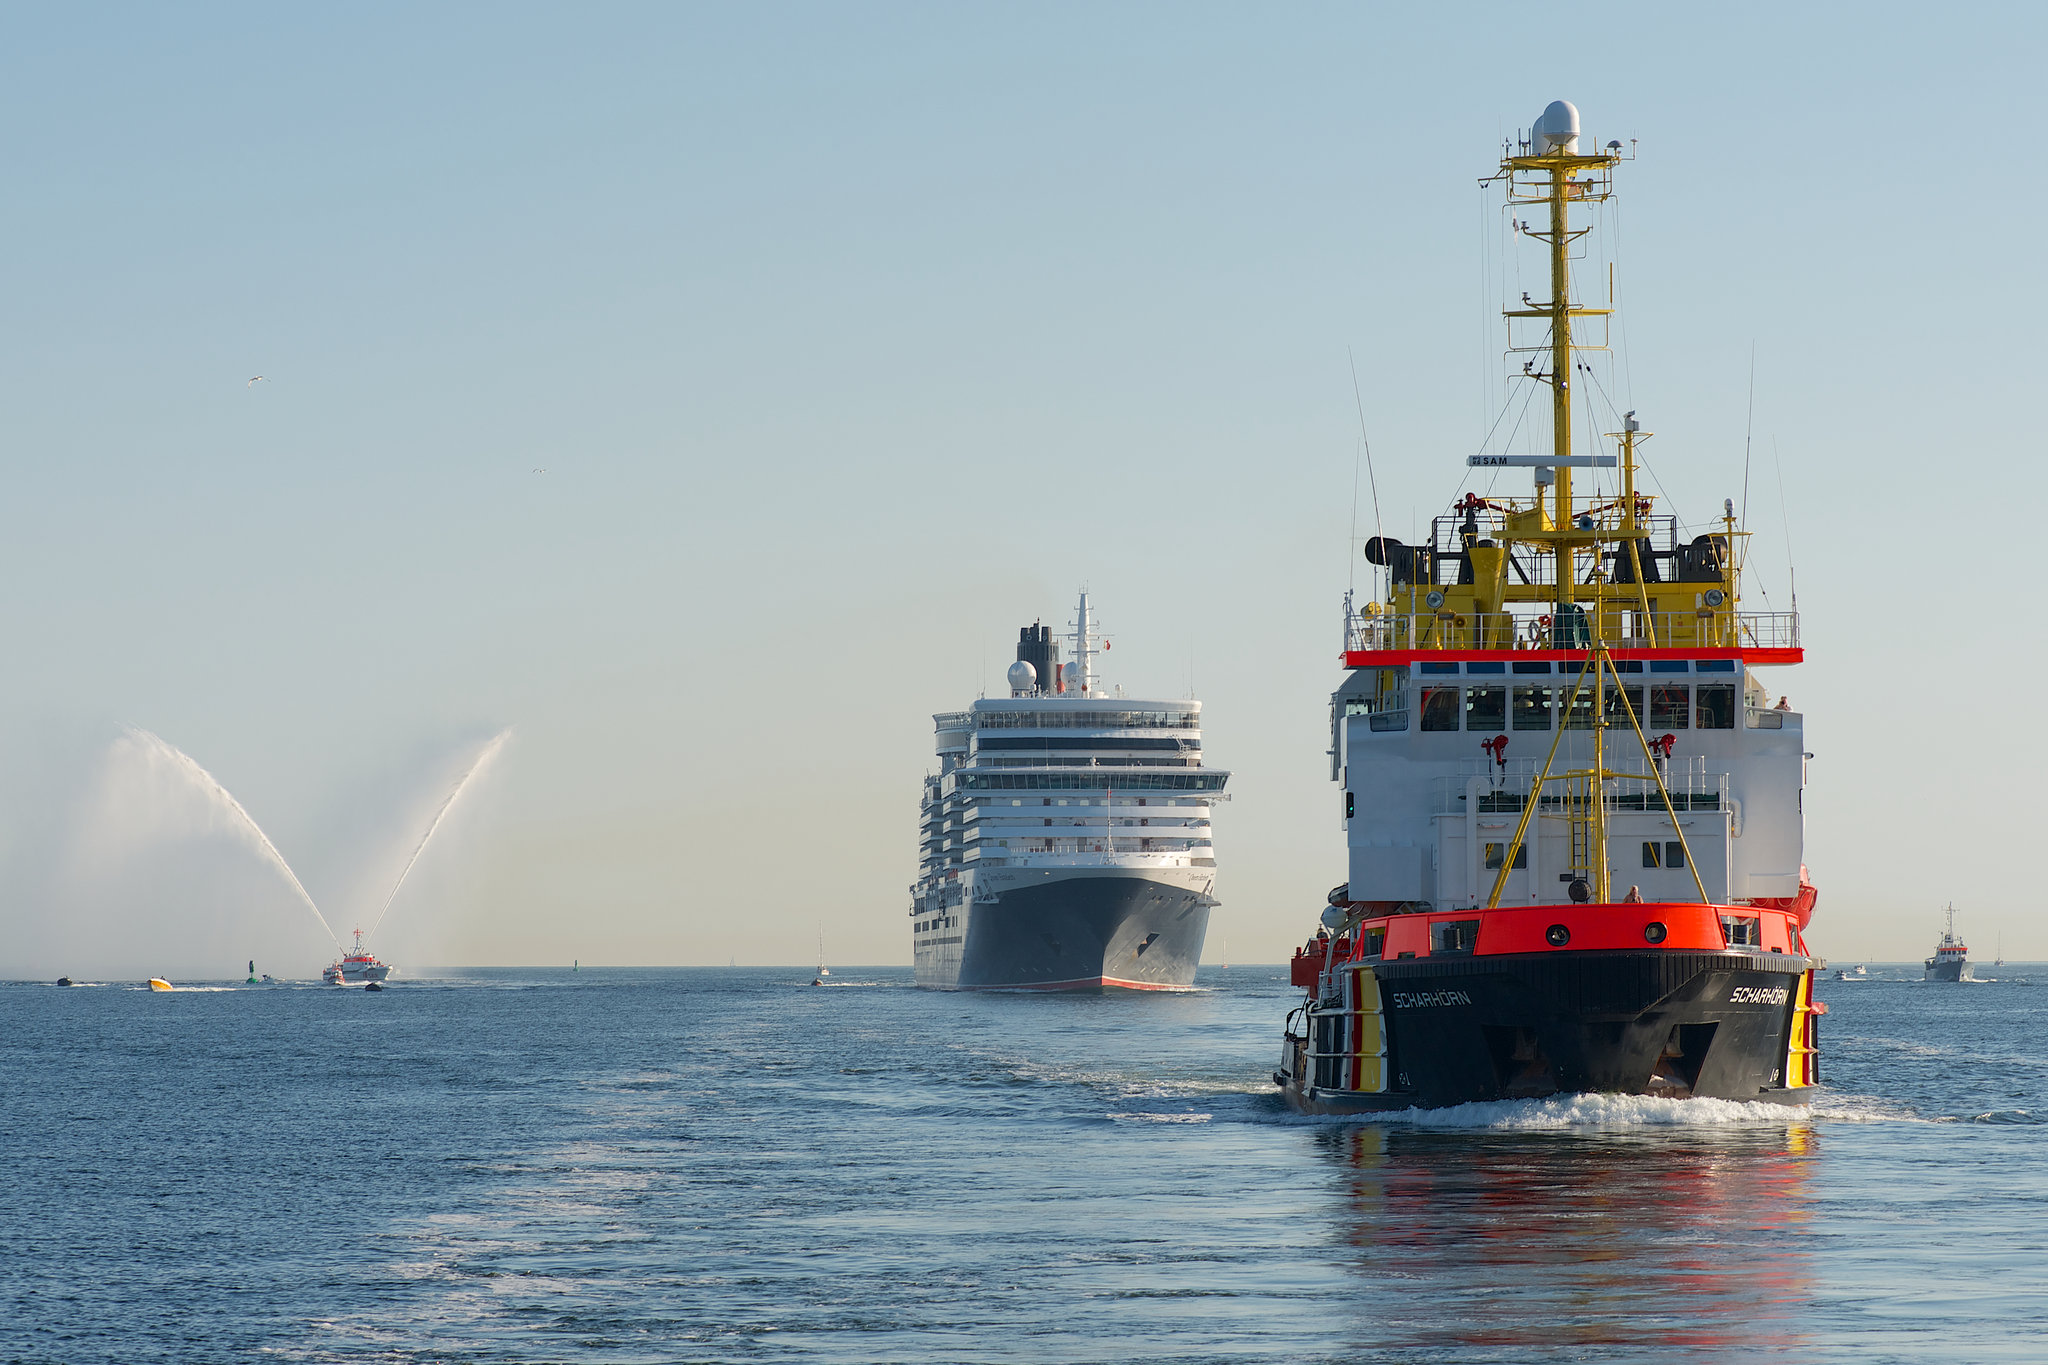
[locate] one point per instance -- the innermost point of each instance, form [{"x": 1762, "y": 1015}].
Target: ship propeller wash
[
  {"x": 1574, "y": 818},
  {"x": 1064, "y": 842}
]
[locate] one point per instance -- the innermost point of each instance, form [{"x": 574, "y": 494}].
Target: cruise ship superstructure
[{"x": 1064, "y": 843}]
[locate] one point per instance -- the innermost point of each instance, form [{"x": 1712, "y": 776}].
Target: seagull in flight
[
  {"x": 253, "y": 382},
  {"x": 540, "y": 471}
]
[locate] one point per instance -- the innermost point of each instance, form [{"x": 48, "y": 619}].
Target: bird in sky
[
  {"x": 252, "y": 383},
  {"x": 540, "y": 471}
]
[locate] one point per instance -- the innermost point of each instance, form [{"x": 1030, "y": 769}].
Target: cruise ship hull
[
  {"x": 1090, "y": 931},
  {"x": 1669, "y": 1024}
]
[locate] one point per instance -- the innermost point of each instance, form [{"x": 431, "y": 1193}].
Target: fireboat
[{"x": 356, "y": 966}]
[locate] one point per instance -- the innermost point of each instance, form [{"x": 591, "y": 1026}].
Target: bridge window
[
  {"x": 1439, "y": 668},
  {"x": 1714, "y": 707},
  {"x": 1532, "y": 707},
  {"x": 1670, "y": 666},
  {"x": 1486, "y": 708},
  {"x": 1493, "y": 667},
  {"x": 1440, "y": 708},
  {"x": 1670, "y": 708},
  {"x": 1578, "y": 707},
  {"x": 1619, "y": 715},
  {"x": 1530, "y": 666}
]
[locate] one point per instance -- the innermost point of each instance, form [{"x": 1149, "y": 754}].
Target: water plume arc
[
  {"x": 207, "y": 782},
  {"x": 483, "y": 759}
]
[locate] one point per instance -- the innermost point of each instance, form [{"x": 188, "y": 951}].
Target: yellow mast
[{"x": 1566, "y": 174}]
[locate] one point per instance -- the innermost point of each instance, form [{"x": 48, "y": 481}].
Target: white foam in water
[{"x": 1597, "y": 1111}]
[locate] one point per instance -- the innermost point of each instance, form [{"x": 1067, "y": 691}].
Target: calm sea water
[{"x": 735, "y": 1166}]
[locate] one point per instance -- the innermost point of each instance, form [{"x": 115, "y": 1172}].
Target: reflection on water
[{"x": 1500, "y": 1242}]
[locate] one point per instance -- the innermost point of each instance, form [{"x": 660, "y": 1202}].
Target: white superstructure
[{"x": 1065, "y": 842}]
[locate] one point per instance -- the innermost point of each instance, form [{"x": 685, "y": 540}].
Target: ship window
[
  {"x": 1674, "y": 854},
  {"x": 1715, "y": 707},
  {"x": 1627, "y": 665},
  {"x": 1494, "y": 667},
  {"x": 1486, "y": 708},
  {"x": 1438, "y": 668},
  {"x": 1616, "y": 712},
  {"x": 1742, "y": 931},
  {"x": 1522, "y": 666},
  {"x": 1669, "y": 666},
  {"x": 1579, "y": 707},
  {"x": 1532, "y": 707},
  {"x": 1439, "y": 708},
  {"x": 1497, "y": 853},
  {"x": 1653, "y": 853},
  {"x": 1669, "y": 707},
  {"x": 1375, "y": 942},
  {"x": 1714, "y": 666},
  {"x": 1350, "y": 804},
  {"x": 1453, "y": 936}
]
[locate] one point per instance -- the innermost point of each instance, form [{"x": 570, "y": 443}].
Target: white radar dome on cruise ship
[
  {"x": 1070, "y": 673},
  {"x": 1557, "y": 130},
  {"x": 1023, "y": 677}
]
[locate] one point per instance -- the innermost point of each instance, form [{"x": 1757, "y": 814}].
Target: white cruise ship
[{"x": 1064, "y": 843}]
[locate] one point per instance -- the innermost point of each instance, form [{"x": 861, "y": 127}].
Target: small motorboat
[
  {"x": 63, "y": 980},
  {"x": 157, "y": 983},
  {"x": 374, "y": 986}
]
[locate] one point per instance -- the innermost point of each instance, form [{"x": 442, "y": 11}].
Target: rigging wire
[
  {"x": 1785, "y": 521},
  {"x": 1365, "y": 443}
]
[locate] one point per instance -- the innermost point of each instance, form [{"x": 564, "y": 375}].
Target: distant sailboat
[
  {"x": 823, "y": 970},
  {"x": 1999, "y": 961}
]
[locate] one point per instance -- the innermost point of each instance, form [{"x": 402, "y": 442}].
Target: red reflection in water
[{"x": 1690, "y": 1241}]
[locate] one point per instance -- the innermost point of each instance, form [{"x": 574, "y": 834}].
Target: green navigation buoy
[{"x": 252, "y": 973}]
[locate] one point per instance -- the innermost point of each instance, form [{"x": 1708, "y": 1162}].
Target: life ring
[{"x": 1543, "y": 621}]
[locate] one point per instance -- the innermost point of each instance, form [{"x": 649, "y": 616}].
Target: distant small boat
[
  {"x": 374, "y": 986},
  {"x": 157, "y": 983},
  {"x": 356, "y": 966},
  {"x": 63, "y": 980}
]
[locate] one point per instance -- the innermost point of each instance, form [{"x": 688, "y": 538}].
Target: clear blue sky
[{"x": 851, "y": 338}]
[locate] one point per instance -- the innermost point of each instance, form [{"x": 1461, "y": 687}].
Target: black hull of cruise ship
[
  {"x": 1676, "y": 1025},
  {"x": 1081, "y": 934}
]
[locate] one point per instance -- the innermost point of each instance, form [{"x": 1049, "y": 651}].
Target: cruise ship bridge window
[
  {"x": 1486, "y": 708},
  {"x": 1670, "y": 708},
  {"x": 1439, "y": 708},
  {"x": 1532, "y": 708},
  {"x": 1714, "y": 706}
]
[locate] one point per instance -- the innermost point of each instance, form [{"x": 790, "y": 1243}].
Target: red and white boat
[
  {"x": 1575, "y": 817},
  {"x": 356, "y": 967}
]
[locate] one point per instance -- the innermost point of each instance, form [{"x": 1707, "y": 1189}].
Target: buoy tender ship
[{"x": 1574, "y": 818}]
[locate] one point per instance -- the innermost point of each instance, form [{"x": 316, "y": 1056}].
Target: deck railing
[{"x": 1621, "y": 627}]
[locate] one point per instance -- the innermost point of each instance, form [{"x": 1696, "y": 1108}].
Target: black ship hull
[
  {"x": 1453, "y": 1030},
  {"x": 1082, "y": 933}
]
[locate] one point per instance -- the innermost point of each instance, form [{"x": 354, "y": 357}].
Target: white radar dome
[
  {"x": 1023, "y": 677},
  {"x": 1070, "y": 673},
  {"x": 1557, "y": 130}
]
